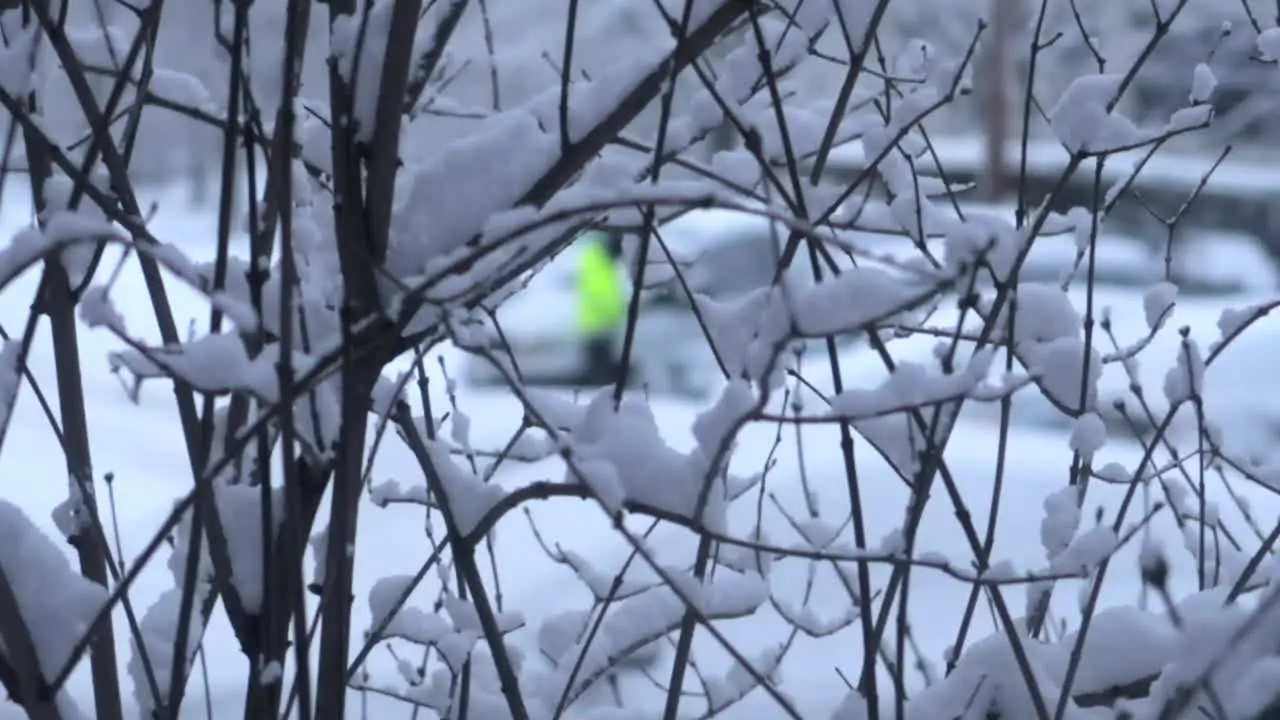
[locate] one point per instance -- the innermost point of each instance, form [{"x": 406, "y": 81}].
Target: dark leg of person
[{"x": 602, "y": 367}]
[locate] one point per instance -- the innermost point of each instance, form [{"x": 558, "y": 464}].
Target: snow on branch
[{"x": 55, "y": 606}]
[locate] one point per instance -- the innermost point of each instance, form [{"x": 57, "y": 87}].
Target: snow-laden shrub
[{"x": 319, "y": 515}]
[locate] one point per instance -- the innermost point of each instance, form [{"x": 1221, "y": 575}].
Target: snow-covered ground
[{"x": 142, "y": 446}]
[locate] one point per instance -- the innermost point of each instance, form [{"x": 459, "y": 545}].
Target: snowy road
[{"x": 142, "y": 446}]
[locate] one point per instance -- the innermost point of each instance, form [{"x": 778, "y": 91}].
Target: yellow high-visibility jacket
[{"x": 602, "y": 300}]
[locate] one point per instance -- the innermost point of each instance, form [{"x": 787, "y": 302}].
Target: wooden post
[{"x": 996, "y": 102}]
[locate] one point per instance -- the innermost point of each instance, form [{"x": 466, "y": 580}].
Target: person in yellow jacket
[{"x": 602, "y": 305}]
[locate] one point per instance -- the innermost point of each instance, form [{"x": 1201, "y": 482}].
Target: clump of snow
[
  {"x": 1269, "y": 44},
  {"x": 1123, "y": 644},
  {"x": 97, "y": 309},
  {"x": 747, "y": 332},
  {"x": 1084, "y": 121},
  {"x": 241, "y": 512},
  {"x": 18, "y": 75},
  {"x": 1203, "y": 83},
  {"x": 180, "y": 89},
  {"x": 912, "y": 385},
  {"x": 358, "y": 42},
  {"x": 158, "y": 626},
  {"x": 444, "y": 203},
  {"x": 1185, "y": 380},
  {"x": 854, "y": 300},
  {"x": 56, "y": 604},
  {"x": 1061, "y": 519},
  {"x": 386, "y": 394},
  {"x": 10, "y": 379},
  {"x": 1048, "y": 338},
  {"x": 716, "y": 427},
  {"x": 646, "y": 470},
  {"x": 640, "y": 620},
  {"x": 1219, "y": 647},
  {"x": 894, "y": 543},
  {"x": 1043, "y": 313},
  {"x": 469, "y": 497},
  {"x": 319, "y": 544},
  {"x": 986, "y": 677},
  {"x": 220, "y": 364},
  {"x": 853, "y": 707},
  {"x": 1088, "y": 435},
  {"x": 1157, "y": 303},
  {"x": 1061, "y": 366},
  {"x": 272, "y": 672},
  {"x": 1087, "y": 550},
  {"x": 58, "y": 191},
  {"x": 454, "y": 637},
  {"x": 1235, "y": 320},
  {"x": 726, "y": 690},
  {"x": 1185, "y": 119},
  {"x": 61, "y": 231}
]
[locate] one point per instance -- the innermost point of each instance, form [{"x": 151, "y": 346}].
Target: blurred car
[
  {"x": 722, "y": 253},
  {"x": 1214, "y": 271},
  {"x": 1121, "y": 259},
  {"x": 1241, "y": 392},
  {"x": 1206, "y": 260},
  {"x": 1241, "y": 388},
  {"x": 1216, "y": 262}
]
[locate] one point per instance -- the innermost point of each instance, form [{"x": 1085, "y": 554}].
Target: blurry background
[{"x": 612, "y": 30}]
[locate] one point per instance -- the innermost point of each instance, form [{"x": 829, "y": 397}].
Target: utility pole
[{"x": 995, "y": 107}]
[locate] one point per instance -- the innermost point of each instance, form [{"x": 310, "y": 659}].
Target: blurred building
[
  {"x": 1248, "y": 90},
  {"x": 519, "y": 43}
]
